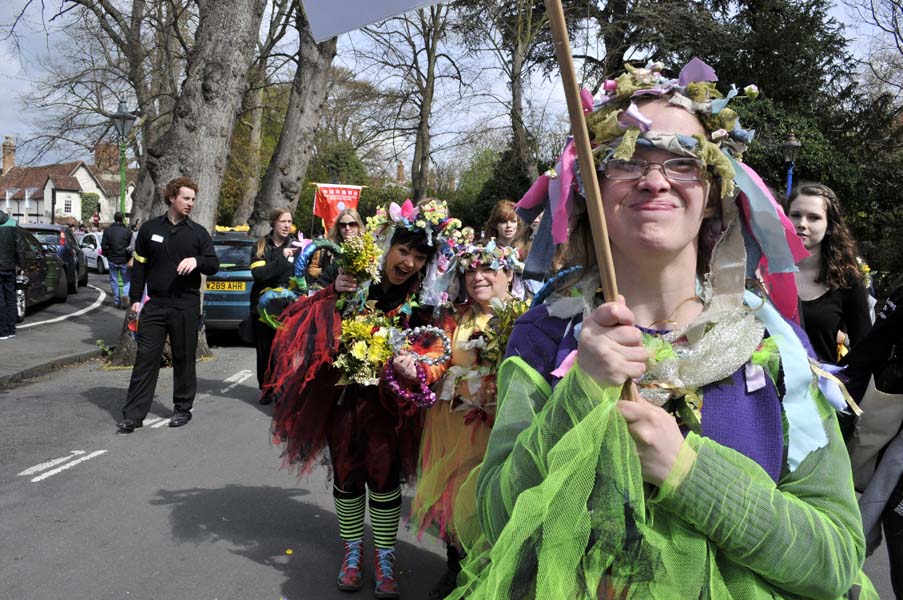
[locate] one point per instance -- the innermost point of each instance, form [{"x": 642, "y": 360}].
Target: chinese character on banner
[{"x": 330, "y": 200}]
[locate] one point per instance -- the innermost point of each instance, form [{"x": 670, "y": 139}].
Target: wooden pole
[
  {"x": 585, "y": 159},
  {"x": 584, "y": 150}
]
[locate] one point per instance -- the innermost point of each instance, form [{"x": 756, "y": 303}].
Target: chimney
[
  {"x": 9, "y": 154},
  {"x": 106, "y": 158},
  {"x": 399, "y": 173}
]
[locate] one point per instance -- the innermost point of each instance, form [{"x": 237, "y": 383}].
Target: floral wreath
[
  {"x": 491, "y": 255},
  {"x": 430, "y": 218}
]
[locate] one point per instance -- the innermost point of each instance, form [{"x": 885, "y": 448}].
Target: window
[{"x": 67, "y": 206}]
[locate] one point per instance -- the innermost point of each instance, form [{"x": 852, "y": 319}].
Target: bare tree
[
  {"x": 106, "y": 52},
  {"x": 253, "y": 106},
  {"x": 410, "y": 55},
  {"x": 197, "y": 140},
  {"x": 885, "y": 53},
  {"x": 509, "y": 31}
]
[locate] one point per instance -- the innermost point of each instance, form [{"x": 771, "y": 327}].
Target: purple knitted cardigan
[{"x": 749, "y": 422}]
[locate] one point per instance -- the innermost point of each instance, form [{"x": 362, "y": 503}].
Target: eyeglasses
[
  {"x": 347, "y": 224},
  {"x": 677, "y": 169}
]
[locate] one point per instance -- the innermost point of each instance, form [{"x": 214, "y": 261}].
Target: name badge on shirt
[{"x": 156, "y": 238}]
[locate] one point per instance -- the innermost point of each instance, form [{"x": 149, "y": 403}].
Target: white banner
[{"x": 329, "y": 18}]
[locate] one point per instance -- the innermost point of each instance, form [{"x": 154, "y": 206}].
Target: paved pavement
[{"x": 56, "y": 334}]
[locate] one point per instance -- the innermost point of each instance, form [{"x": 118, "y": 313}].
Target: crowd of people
[{"x": 682, "y": 439}]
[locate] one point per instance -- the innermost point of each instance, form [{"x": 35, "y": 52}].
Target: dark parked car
[
  {"x": 227, "y": 295},
  {"x": 43, "y": 275},
  {"x": 62, "y": 237}
]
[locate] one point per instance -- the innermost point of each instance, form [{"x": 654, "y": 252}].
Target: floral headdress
[
  {"x": 490, "y": 255},
  {"x": 617, "y": 125},
  {"x": 432, "y": 219}
]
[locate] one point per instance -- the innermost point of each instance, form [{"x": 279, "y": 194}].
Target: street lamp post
[
  {"x": 791, "y": 151},
  {"x": 123, "y": 121}
]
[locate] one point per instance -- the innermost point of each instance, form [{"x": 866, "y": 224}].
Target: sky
[{"x": 20, "y": 64}]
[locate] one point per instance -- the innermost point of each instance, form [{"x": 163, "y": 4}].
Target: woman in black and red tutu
[{"x": 321, "y": 404}]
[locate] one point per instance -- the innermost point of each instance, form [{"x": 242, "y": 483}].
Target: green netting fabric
[{"x": 565, "y": 513}]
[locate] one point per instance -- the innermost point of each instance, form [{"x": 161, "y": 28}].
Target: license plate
[{"x": 226, "y": 286}]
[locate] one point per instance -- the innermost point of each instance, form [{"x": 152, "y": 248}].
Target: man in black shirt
[
  {"x": 171, "y": 252},
  {"x": 115, "y": 246}
]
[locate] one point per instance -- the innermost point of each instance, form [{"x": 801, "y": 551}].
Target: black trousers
[
  {"x": 154, "y": 323},
  {"x": 7, "y": 303},
  {"x": 263, "y": 337}
]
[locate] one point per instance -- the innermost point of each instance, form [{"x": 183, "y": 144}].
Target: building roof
[
  {"x": 66, "y": 183},
  {"x": 36, "y": 177},
  {"x": 110, "y": 184}
]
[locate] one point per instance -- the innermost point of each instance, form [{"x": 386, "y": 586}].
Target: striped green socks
[
  {"x": 349, "y": 508},
  {"x": 385, "y": 514}
]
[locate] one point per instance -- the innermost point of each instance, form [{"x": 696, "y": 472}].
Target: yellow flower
[{"x": 359, "y": 350}]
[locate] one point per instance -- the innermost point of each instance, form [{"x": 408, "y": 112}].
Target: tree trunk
[
  {"x": 252, "y": 176},
  {"x": 282, "y": 182},
  {"x": 197, "y": 141},
  {"x": 432, "y": 29},
  {"x": 520, "y": 139}
]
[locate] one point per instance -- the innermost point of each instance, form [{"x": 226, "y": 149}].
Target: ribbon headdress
[{"x": 617, "y": 127}]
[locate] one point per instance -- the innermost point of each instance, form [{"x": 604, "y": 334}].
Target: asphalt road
[{"x": 199, "y": 512}]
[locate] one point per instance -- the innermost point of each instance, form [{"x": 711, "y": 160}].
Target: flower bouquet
[
  {"x": 360, "y": 258},
  {"x": 504, "y": 314},
  {"x": 365, "y": 348}
]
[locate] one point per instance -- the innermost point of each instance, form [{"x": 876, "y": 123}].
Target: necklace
[{"x": 669, "y": 318}]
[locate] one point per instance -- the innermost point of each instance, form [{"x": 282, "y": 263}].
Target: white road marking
[
  {"x": 152, "y": 421},
  {"x": 68, "y": 465},
  {"x": 236, "y": 379},
  {"x": 97, "y": 303},
  {"x": 161, "y": 423},
  {"x": 49, "y": 464}
]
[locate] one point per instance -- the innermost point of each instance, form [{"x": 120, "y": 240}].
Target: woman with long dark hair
[
  {"x": 372, "y": 444},
  {"x": 834, "y": 300}
]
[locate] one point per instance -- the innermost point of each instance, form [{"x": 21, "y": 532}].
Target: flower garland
[
  {"x": 423, "y": 397},
  {"x": 404, "y": 341},
  {"x": 491, "y": 256},
  {"x": 364, "y": 348},
  {"x": 431, "y": 218}
]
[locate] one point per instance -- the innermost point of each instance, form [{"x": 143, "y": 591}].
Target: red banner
[{"x": 330, "y": 200}]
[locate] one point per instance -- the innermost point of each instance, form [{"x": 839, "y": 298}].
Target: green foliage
[
  {"x": 337, "y": 163},
  {"x": 90, "y": 205},
  {"x": 468, "y": 202},
  {"x": 242, "y": 155}
]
